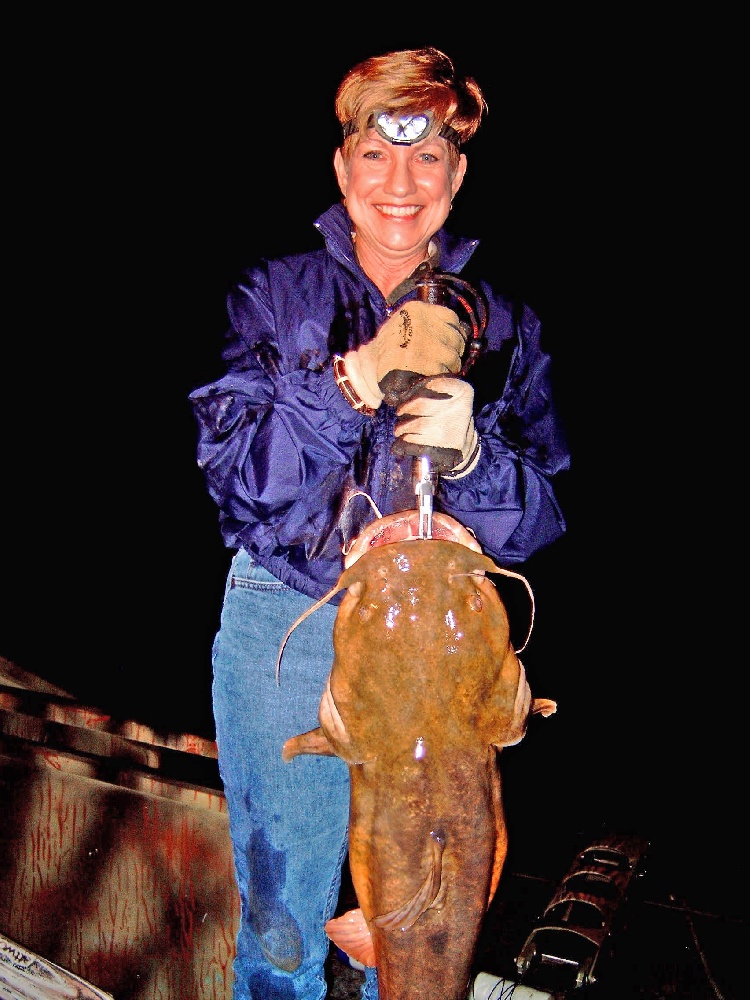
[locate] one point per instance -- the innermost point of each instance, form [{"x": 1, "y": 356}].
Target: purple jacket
[{"x": 282, "y": 450}]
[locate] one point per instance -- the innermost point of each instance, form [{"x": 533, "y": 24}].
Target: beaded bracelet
[{"x": 347, "y": 389}]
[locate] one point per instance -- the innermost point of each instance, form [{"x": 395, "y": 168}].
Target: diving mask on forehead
[{"x": 403, "y": 130}]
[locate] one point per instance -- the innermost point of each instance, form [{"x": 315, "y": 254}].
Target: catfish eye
[{"x": 475, "y": 602}]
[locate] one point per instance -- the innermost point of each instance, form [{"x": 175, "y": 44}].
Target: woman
[{"x": 322, "y": 350}]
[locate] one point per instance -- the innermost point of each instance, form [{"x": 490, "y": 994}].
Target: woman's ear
[
  {"x": 458, "y": 177},
  {"x": 341, "y": 173}
]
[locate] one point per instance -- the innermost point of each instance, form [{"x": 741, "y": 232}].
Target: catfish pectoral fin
[
  {"x": 351, "y": 933},
  {"x": 543, "y": 706},
  {"x": 315, "y": 741},
  {"x": 407, "y": 915},
  {"x": 524, "y": 706},
  {"x": 330, "y": 717}
]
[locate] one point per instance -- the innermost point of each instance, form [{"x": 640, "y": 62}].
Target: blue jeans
[{"x": 288, "y": 821}]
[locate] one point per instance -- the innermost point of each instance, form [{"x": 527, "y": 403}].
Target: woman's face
[{"x": 398, "y": 196}]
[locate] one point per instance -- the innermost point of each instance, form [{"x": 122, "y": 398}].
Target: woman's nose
[{"x": 400, "y": 180}]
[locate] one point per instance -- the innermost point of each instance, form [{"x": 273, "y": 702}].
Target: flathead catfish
[{"x": 425, "y": 688}]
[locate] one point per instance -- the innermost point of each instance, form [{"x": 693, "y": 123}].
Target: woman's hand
[
  {"x": 438, "y": 421},
  {"x": 420, "y": 338}
]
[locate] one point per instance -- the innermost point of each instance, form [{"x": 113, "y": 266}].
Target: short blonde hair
[{"x": 411, "y": 81}]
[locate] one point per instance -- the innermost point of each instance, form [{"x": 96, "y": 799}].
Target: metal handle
[{"x": 443, "y": 289}]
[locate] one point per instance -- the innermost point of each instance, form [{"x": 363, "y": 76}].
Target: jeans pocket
[{"x": 245, "y": 572}]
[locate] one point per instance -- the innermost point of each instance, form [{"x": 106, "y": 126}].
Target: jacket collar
[{"x": 336, "y": 228}]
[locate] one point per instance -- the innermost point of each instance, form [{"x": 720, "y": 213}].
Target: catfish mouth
[{"x": 404, "y": 526}]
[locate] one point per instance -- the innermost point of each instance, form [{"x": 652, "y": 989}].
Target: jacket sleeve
[
  {"x": 508, "y": 500},
  {"x": 270, "y": 434}
]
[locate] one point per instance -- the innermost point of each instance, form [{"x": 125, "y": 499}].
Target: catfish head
[{"x": 425, "y": 688}]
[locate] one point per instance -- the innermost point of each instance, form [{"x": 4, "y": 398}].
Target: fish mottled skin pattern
[
  {"x": 420, "y": 639},
  {"x": 423, "y": 678},
  {"x": 424, "y": 688}
]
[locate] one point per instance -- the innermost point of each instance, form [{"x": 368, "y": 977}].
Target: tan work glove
[
  {"x": 438, "y": 421},
  {"x": 420, "y": 338}
]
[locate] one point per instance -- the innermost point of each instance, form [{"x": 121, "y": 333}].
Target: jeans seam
[
  {"x": 334, "y": 897},
  {"x": 245, "y": 584}
]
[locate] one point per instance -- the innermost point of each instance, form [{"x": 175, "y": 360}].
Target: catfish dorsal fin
[{"x": 305, "y": 614}]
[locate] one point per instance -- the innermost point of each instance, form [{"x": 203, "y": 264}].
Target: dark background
[{"x": 150, "y": 162}]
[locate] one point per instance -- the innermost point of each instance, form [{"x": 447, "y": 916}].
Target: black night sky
[{"x": 152, "y": 164}]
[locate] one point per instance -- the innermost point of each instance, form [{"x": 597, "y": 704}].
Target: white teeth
[{"x": 398, "y": 209}]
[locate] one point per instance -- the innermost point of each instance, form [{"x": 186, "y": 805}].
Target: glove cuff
[
  {"x": 342, "y": 373},
  {"x": 469, "y": 464}
]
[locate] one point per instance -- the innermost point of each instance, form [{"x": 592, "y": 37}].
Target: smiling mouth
[{"x": 400, "y": 211}]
